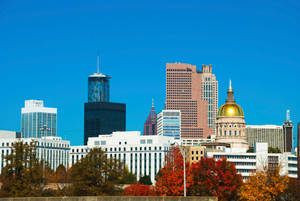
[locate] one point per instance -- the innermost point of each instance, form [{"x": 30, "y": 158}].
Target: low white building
[
  {"x": 143, "y": 155},
  {"x": 54, "y": 150},
  {"x": 249, "y": 163}
]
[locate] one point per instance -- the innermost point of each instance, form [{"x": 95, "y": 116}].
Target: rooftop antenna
[
  {"x": 288, "y": 115},
  {"x": 98, "y": 70},
  {"x": 230, "y": 84}
]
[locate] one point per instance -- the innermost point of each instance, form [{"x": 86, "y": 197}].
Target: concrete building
[
  {"x": 194, "y": 154},
  {"x": 271, "y": 134},
  {"x": 150, "y": 125},
  {"x": 231, "y": 123},
  {"x": 248, "y": 163},
  {"x": 53, "y": 150},
  {"x": 184, "y": 93},
  {"x": 209, "y": 93},
  {"x": 143, "y": 155},
  {"x": 169, "y": 123},
  {"x": 100, "y": 115},
  {"x": 196, "y": 142},
  {"x": 38, "y": 121}
]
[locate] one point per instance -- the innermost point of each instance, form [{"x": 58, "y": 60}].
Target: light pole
[
  {"x": 184, "y": 176},
  {"x": 44, "y": 128}
]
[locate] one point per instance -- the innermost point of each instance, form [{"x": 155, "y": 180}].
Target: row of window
[{"x": 123, "y": 149}]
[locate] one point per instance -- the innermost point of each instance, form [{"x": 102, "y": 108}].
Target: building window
[
  {"x": 229, "y": 133},
  {"x": 234, "y": 133}
]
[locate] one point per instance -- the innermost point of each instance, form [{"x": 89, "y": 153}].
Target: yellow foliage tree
[{"x": 264, "y": 186}]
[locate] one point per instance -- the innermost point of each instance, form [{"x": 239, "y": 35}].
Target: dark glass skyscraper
[
  {"x": 98, "y": 85},
  {"x": 100, "y": 115}
]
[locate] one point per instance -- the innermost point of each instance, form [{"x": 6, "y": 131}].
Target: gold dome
[{"x": 230, "y": 110}]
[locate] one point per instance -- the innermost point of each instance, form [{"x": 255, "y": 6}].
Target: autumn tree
[
  {"x": 23, "y": 174},
  {"x": 291, "y": 193},
  {"x": 96, "y": 174},
  {"x": 169, "y": 181},
  {"x": 139, "y": 190},
  {"x": 264, "y": 186},
  {"x": 215, "y": 178}
]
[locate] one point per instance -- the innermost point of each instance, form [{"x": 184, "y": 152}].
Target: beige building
[
  {"x": 271, "y": 134},
  {"x": 230, "y": 124},
  {"x": 194, "y": 154},
  {"x": 184, "y": 93}
]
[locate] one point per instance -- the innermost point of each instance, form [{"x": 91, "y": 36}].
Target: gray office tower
[
  {"x": 288, "y": 133},
  {"x": 100, "y": 115}
]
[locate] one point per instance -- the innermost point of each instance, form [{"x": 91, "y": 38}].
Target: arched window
[
  {"x": 229, "y": 133},
  {"x": 220, "y": 133},
  {"x": 224, "y": 133},
  {"x": 234, "y": 133}
]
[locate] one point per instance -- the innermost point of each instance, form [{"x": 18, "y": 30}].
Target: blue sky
[{"x": 48, "y": 49}]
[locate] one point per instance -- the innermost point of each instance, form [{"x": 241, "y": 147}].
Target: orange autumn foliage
[
  {"x": 264, "y": 186},
  {"x": 170, "y": 180},
  {"x": 139, "y": 190}
]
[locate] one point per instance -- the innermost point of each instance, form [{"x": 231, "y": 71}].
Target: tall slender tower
[
  {"x": 98, "y": 86},
  {"x": 150, "y": 126},
  {"x": 209, "y": 92},
  {"x": 288, "y": 133},
  {"x": 183, "y": 92}
]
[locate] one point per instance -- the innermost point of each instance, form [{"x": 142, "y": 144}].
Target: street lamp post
[{"x": 184, "y": 176}]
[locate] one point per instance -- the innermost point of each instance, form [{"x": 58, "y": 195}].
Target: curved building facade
[{"x": 230, "y": 123}]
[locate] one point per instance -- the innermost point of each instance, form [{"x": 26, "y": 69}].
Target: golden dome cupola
[{"x": 230, "y": 108}]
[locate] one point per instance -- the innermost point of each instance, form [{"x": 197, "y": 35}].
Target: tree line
[{"x": 26, "y": 175}]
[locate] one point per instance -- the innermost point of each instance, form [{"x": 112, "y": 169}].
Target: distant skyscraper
[
  {"x": 209, "y": 92},
  {"x": 100, "y": 115},
  {"x": 38, "y": 121},
  {"x": 288, "y": 133},
  {"x": 150, "y": 125},
  {"x": 183, "y": 92},
  {"x": 169, "y": 123}
]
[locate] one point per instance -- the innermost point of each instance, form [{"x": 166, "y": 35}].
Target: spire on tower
[
  {"x": 152, "y": 102},
  {"x": 288, "y": 116},
  {"x": 98, "y": 69},
  {"x": 230, "y": 84}
]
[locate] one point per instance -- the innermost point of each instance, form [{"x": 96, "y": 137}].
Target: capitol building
[{"x": 230, "y": 123}]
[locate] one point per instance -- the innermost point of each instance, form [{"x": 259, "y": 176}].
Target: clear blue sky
[{"x": 48, "y": 49}]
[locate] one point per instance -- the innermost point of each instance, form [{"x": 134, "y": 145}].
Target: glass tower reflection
[{"x": 98, "y": 88}]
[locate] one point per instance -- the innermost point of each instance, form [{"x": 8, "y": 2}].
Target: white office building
[
  {"x": 169, "y": 123},
  {"x": 143, "y": 155},
  {"x": 248, "y": 163},
  {"x": 38, "y": 121},
  {"x": 54, "y": 150}
]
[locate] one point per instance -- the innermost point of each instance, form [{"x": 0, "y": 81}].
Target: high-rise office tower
[
  {"x": 169, "y": 123},
  {"x": 100, "y": 115},
  {"x": 150, "y": 125},
  {"x": 288, "y": 133},
  {"x": 183, "y": 92},
  {"x": 38, "y": 121},
  {"x": 209, "y": 92}
]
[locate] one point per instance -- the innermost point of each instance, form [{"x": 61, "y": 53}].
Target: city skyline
[{"x": 263, "y": 69}]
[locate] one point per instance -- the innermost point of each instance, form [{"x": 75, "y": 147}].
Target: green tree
[
  {"x": 23, "y": 174},
  {"x": 273, "y": 150},
  {"x": 96, "y": 174},
  {"x": 146, "y": 180}
]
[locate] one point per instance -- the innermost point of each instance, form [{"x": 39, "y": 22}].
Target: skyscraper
[
  {"x": 288, "y": 133},
  {"x": 183, "y": 92},
  {"x": 209, "y": 92},
  {"x": 100, "y": 115},
  {"x": 38, "y": 121},
  {"x": 169, "y": 123},
  {"x": 150, "y": 125}
]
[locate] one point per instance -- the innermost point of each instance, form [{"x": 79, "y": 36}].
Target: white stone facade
[
  {"x": 143, "y": 155},
  {"x": 248, "y": 163},
  {"x": 54, "y": 150}
]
